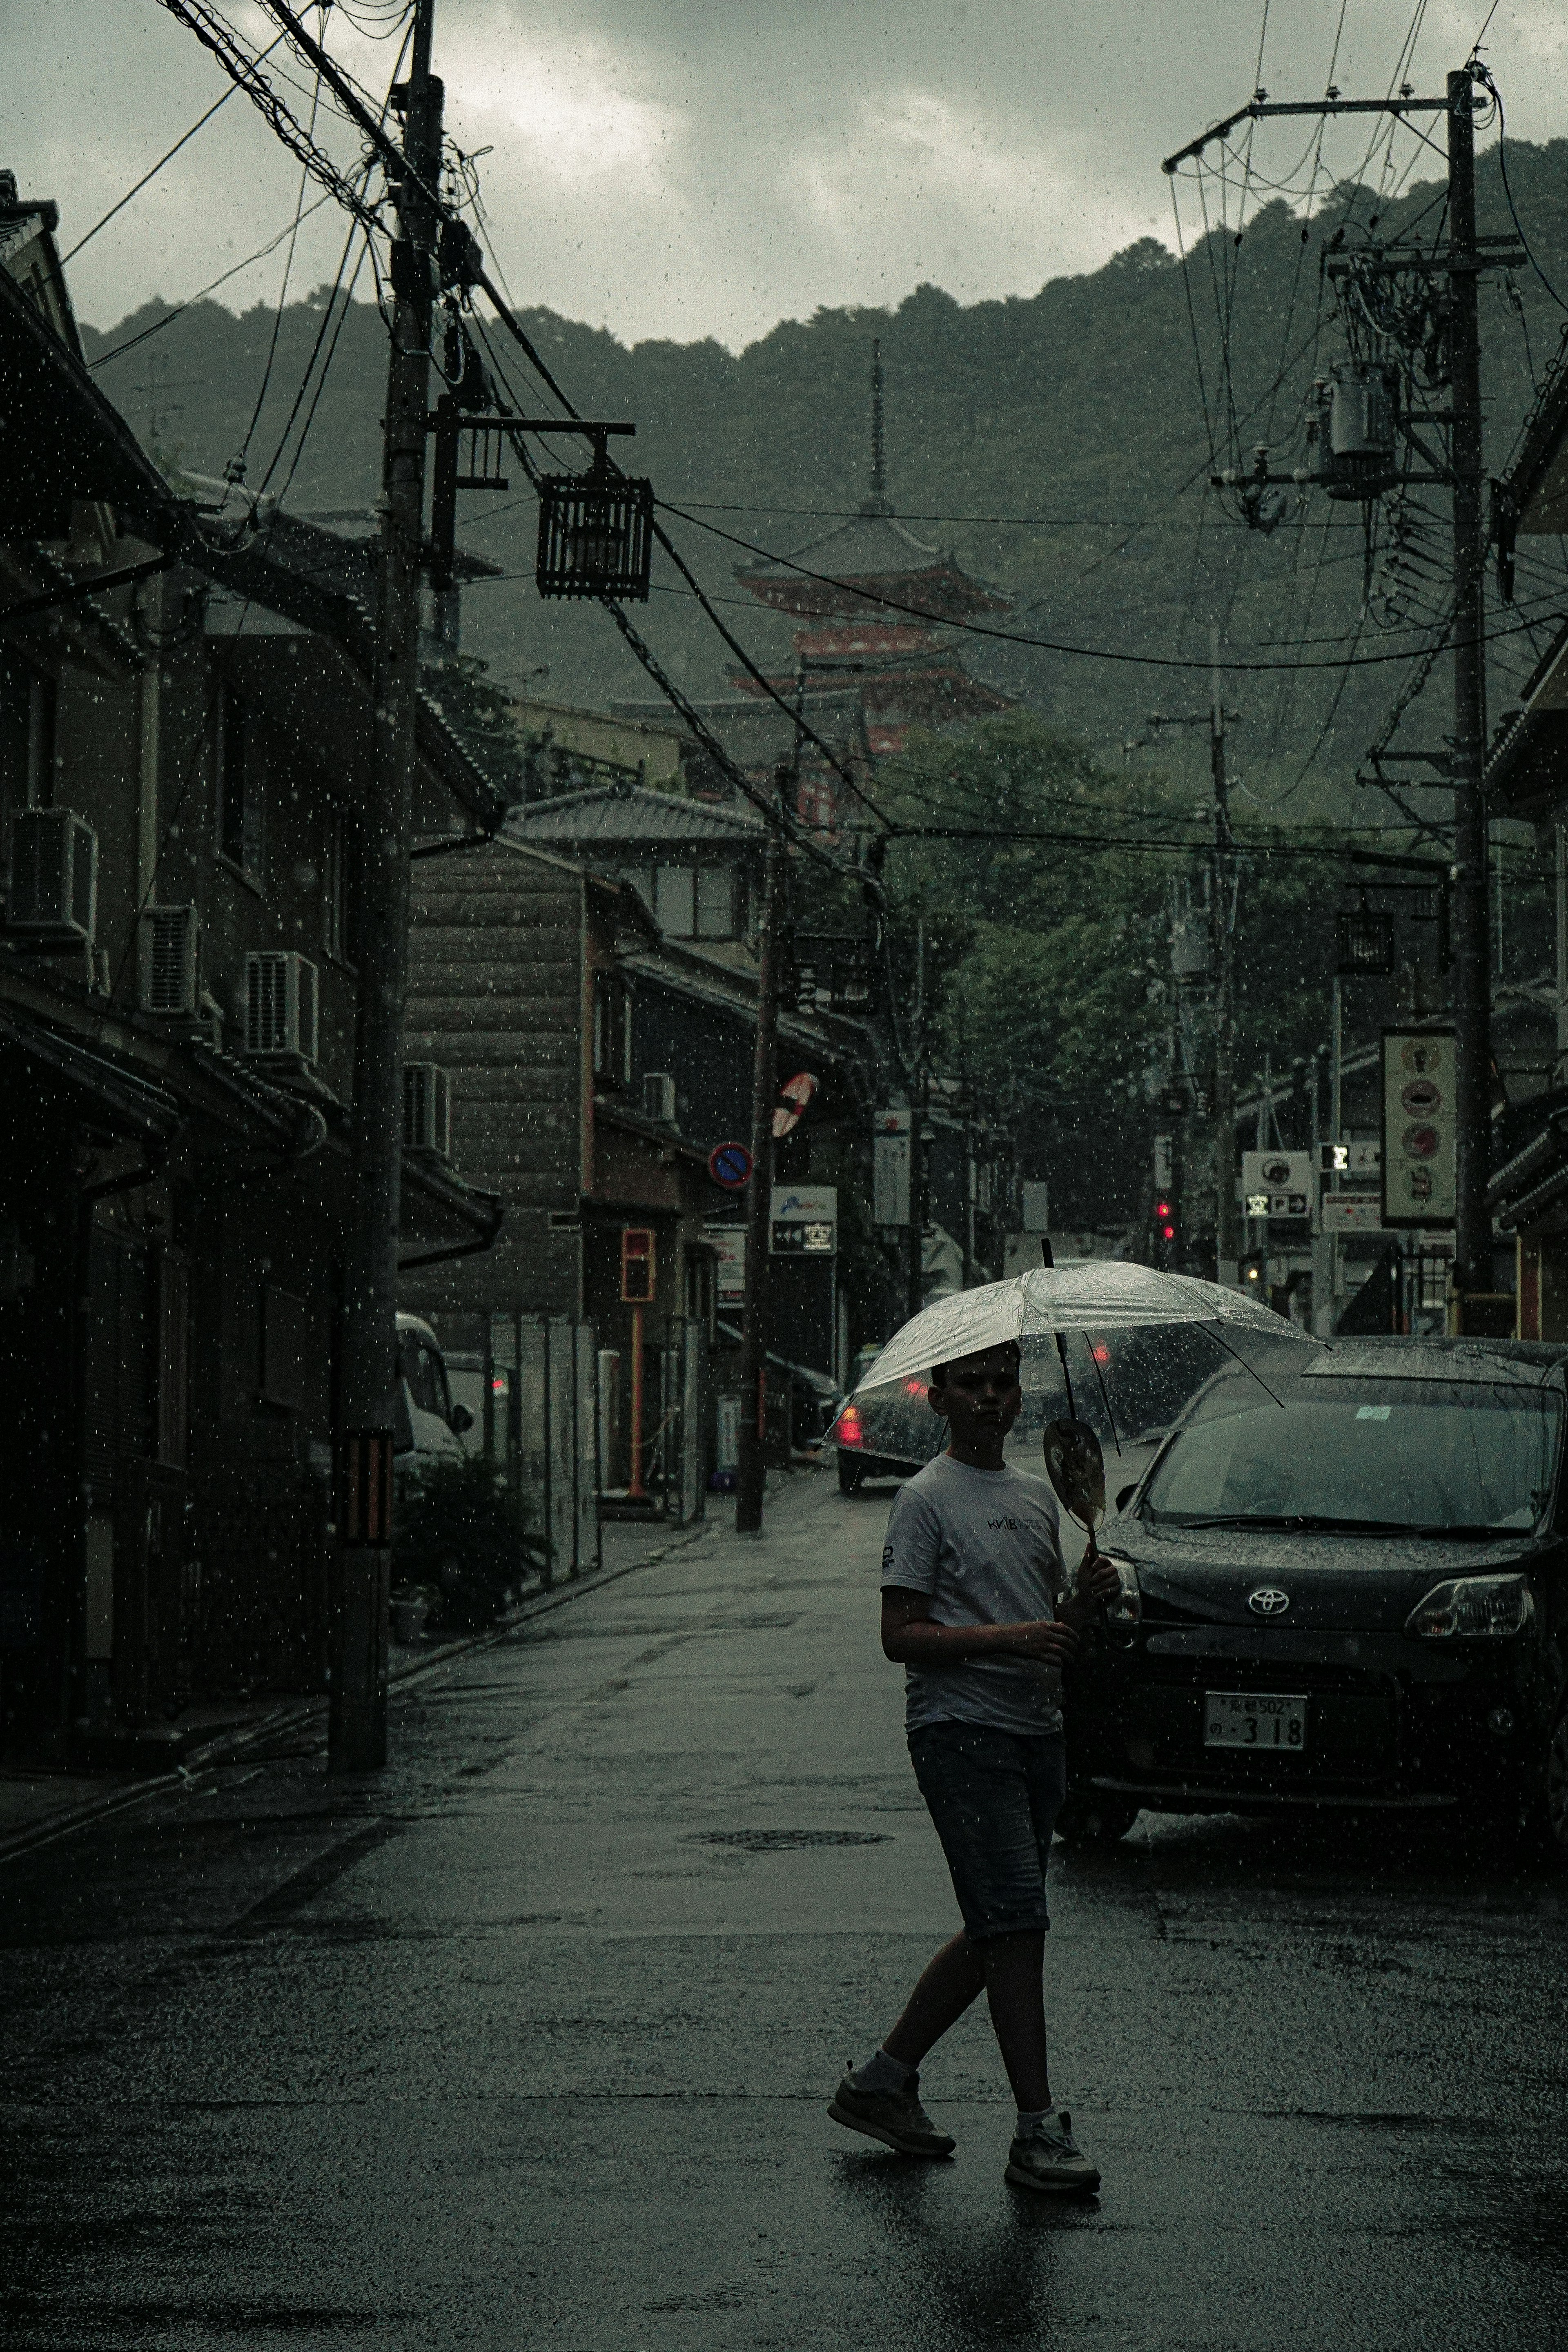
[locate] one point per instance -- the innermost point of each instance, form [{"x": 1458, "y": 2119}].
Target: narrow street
[{"x": 528, "y": 2040}]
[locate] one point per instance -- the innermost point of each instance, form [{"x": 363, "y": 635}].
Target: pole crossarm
[{"x": 1260, "y": 108}]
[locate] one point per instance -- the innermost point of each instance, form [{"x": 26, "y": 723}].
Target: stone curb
[{"x": 226, "y": 1744}]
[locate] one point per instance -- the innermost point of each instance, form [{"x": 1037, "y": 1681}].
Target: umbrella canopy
[{"x": 1096, "y": 1294}]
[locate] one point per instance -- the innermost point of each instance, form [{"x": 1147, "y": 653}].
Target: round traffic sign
[{"x": 730, "y": 1164}]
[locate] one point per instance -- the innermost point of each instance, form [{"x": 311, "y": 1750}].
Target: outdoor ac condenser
[
  {"x": 54, "y": 877},
  {"x": 170, "y": 982},
  {"x": 659, "y": 1097},
  {"x": 427, "y": 1110},
  {"x": 280, "y": 1006}
]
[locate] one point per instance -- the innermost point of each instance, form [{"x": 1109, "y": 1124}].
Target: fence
[{"x": 542, "y": 1420}]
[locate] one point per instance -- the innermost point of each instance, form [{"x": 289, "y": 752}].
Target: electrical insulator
[{"x": 1351, "y": 433}]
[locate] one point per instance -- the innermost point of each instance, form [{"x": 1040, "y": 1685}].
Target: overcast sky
[{"x": 706, "y": 167}]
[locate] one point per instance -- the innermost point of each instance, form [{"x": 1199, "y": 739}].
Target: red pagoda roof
[{"x": 871, "y": 556}]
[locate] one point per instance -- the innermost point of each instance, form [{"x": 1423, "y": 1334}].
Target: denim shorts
[{"x": 993, "y": 1796}]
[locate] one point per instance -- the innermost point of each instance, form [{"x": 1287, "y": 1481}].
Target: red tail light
[{"x": 850, "y": 1432}]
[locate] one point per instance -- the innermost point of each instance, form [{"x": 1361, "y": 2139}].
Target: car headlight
[
  {"x": 1127, "y": 1607},
  {"x": 1472, "y": 1607}
]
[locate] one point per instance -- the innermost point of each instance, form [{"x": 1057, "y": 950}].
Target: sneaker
[
  {"x": 895, "y": 2117},
  {"x": 1050, "y": 2158}
]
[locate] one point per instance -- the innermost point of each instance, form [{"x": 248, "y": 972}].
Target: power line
[
  {"x": 1043, "y": 644},
  {"x": 166, "y": 158},
  {"x": 170, "y": 316}
]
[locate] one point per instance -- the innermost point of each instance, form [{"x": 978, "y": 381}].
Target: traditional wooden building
[{"x": 184, "y": 731}]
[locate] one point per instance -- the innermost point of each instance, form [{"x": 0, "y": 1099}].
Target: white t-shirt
[{"x": 984, "y": 1546}]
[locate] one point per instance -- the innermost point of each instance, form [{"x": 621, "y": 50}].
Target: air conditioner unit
[
  {"x": 427, "y": 1110},
  {"x": 54, "y": 877},
  {"x": 279, "y": 1005},
  {"x": 659, "y": 1097},
  {"x": 170, "y": 982}
]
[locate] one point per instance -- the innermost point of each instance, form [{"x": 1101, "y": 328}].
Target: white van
[{"x": 428, "y": 1427}]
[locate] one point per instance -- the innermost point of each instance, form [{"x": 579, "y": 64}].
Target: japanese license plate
[{"x": 1254, "y": 1720}]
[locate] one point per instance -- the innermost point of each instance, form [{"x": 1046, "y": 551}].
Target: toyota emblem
[{"x": 1268, "y": 1601}]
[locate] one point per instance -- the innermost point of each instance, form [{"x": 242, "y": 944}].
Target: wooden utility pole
[
  {"x": 357, "y": 1729},
  {"x": 1223, "y": 1108},
  {"x": 752, "y": 1476},
  {"x": 1472, "y": 961}
]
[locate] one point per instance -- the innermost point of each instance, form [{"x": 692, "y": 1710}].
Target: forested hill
[{"x": 1057, "y": 442}]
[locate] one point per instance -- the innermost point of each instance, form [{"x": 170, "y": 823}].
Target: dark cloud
[{"x": 691, "y": 167}]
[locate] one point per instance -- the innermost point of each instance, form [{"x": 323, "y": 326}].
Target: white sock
[
  {"x": 1030, "y": 2119},
  {"x": 884, "y": 2073}
]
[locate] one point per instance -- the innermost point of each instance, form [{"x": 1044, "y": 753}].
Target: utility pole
[
  {"x": 919, "y": 1107},
  {"x": 751, "y": 1477},
  {"x": 357, "y": 1726},
  {"x": 1472, "y": 961},
  {"x": 1227, "y": 1268},
  {"x": 1355, "y": 459}
]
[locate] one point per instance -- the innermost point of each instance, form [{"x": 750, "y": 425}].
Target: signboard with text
[
  {"x": 891, "y": 1166},
  {"x": 1352, "y": 1212},
  {"x": 727, "y": 1244},
  {"x": 805, "y": 1221},
  {"x": 1419, "y": 1130},
  {"x": 1277, "y": 1183}
]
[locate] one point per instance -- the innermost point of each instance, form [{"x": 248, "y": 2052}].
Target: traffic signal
[{"x": 1167, "y": 1229}]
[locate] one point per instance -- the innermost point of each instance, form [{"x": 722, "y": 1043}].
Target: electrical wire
[
  {"x": 166, "y": 158},
  {"x": 283, "y": 289},
  {"x": 169, "y": 317}
]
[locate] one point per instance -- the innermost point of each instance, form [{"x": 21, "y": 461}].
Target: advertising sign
[
  {"x": 1352, "y": 1212},
  {"x": 1277, "y": 1183},
  {"x": 729, "y": 1245},
  {"x": 805, "y": 1221},
  {"x": 1349, "y": 1159},
  {"x": 1418, "y": 1127},
  {"x": 890, "y": 1166}
]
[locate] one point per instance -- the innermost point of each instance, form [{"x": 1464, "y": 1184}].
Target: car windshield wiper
[{"x": 1308, "y": 1522}]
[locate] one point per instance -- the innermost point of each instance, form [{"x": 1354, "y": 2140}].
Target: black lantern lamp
[
  {"x": 1365, "y": 944},
  {"x": 596, "y": 532}
]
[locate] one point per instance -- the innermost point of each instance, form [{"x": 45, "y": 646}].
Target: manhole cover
[{"x": 780, "y": 1840}]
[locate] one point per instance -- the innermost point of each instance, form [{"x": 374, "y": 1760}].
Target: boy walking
[{"x": 974, "y": 1607}]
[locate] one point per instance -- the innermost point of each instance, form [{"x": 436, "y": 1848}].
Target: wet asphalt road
[{"x": 527, "y": 2043}]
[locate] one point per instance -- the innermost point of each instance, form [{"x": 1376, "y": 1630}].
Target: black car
[{"x": 1346, "y": 1588}]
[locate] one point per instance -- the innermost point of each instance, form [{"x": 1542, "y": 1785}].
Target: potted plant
[{"x": 465, "y": 1542}]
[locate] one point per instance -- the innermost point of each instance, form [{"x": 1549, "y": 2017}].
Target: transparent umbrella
[{"x": 1096, "y": 1296}]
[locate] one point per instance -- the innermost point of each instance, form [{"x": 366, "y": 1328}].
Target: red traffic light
[
  {"x": 1169, "y": 1231},
  {"x": 1162, "y": 1210}
]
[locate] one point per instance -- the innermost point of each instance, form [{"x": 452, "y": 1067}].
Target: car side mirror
[
  {"x": 1126, "y": 1495},
  {"x": 460, "y": 1421}
]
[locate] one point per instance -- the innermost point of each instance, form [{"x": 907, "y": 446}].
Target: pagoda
[{"x": 873, "y": 601}]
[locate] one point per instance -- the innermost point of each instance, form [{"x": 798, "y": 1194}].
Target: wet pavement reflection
[{"x": 528, "y": 2040}]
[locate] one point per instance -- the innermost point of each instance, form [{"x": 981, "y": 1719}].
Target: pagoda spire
[{"x": 878, "y": 503}]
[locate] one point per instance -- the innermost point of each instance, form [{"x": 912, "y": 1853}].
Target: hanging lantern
[{"x": 595, "y": 533}]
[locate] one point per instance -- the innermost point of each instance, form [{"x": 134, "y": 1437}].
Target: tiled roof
[{"x": 630, "y": 815}]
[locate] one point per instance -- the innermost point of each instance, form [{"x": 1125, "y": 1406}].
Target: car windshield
[{"x": 1399, "y": 1455}]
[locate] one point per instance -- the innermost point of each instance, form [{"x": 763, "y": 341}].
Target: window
[
  {"x": 241, "y": 787},
  {"x": 715, "y": 903},
  {"x": 338, "y": 887},
  {"x": 675, "y": 901},
  {"x": 26, "y": 736},
  {"x": 612, "y": 1032}
]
